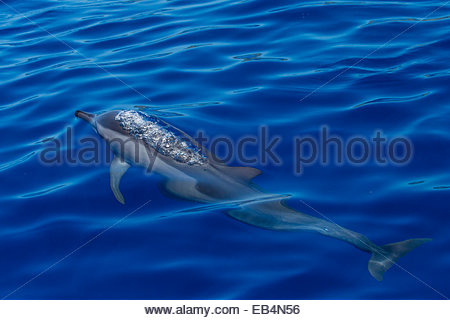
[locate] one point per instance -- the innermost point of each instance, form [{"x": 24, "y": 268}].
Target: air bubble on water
[{"x": 162, "y": 137}]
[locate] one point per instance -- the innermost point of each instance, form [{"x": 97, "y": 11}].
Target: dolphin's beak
[{"x": 88, "y": 117}]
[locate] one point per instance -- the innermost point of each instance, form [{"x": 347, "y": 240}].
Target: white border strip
[{"x": 308, "y": 310}]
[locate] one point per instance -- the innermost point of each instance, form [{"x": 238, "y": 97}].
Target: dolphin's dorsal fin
[
  {"x": 116, "y": 171},
  {"x": 243, "y": 173}
]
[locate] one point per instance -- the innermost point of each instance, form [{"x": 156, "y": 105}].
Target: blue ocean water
[{"x": 225, "y": 68}]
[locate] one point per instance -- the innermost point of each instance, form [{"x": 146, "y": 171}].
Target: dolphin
[{"x": 191, "y": 172}]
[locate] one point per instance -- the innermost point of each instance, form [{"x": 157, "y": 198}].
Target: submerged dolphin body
[{"x": 191, "y": 173}]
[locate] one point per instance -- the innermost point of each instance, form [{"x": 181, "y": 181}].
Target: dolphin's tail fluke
[{"x": 385, "y": 256}]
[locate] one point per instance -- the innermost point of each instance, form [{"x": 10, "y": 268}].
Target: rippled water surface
[{"x": 226, "y": 68}]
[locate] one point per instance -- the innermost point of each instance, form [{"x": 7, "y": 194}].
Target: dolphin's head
[
  {"x": 119, "y": 127},
  {"x": 104, "y": 124}
]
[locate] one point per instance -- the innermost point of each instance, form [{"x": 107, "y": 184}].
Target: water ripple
[
  {"x": 11, "y": 164},
  {"x": 392, "y": 100},
  {"x": 43, "y": 192},
  {"x": 223, "y": 68}
]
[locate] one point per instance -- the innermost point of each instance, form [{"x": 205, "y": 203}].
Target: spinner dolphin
[{"x": 191, "y": 172}]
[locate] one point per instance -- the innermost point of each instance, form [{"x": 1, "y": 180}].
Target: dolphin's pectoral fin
[{"x": 116, "y": 171}]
